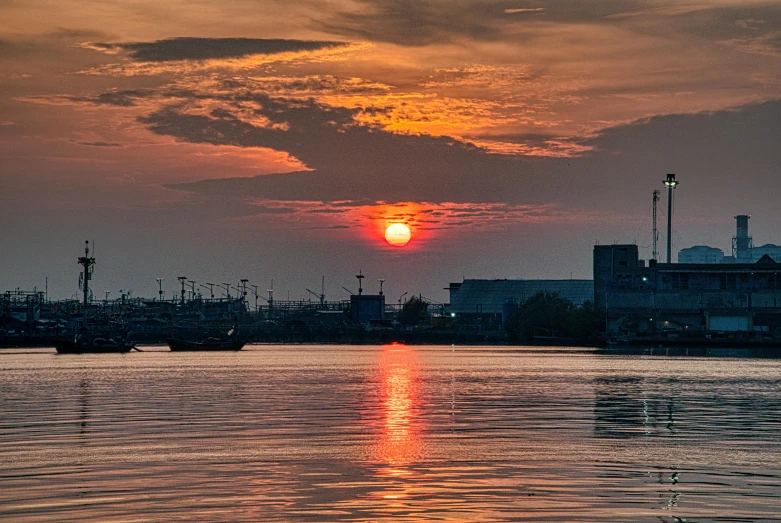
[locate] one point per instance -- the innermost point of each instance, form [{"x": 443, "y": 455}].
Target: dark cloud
[
  {"x": 417, "y": 22},
  {"x": 351, "y": 161},
  {"x": 427, "y": 22},
  {"x": 328, "y": 227},
  {"x": 760, "y": 21},
  {"x": 11, "y": 49},
  {"x": 192, "y": 48},
  {"x": 719, "y": 154},
  {"x": 100, "y": 144},
  {"x": 124, "y": 98}
]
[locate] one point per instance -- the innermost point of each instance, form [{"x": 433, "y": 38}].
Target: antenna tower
[
  {"x": 656, "y": 231},
  {"x": 360, "y": 277}
]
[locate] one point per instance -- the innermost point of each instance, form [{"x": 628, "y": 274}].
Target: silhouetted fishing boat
[
  {"x": 213, "y": 344},
  {"x": 231, "y": 342},
  {"x": 91, "y": 346}
]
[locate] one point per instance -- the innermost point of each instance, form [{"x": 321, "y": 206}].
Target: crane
[{"x": 320, "y": 296}]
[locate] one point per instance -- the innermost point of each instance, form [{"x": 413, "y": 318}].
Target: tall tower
[
  {"x": 655, "y": 231},
  {"x": 671, "y": 184},
  {"x": 742, "y": 243}
]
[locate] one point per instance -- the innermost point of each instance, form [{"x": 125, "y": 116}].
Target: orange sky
[{"x": 523, "y": 129}]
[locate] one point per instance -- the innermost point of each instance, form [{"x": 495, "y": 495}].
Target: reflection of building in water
[
  {"x": 400, "y": 437},
  {"x": 623, "y": 408}
]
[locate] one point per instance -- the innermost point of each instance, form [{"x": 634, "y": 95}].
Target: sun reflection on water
[{"x": 400, "y": 436}]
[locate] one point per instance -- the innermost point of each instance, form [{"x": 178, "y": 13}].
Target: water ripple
[{"x": 392, "y": 433}]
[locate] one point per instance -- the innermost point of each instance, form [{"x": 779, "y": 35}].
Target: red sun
[{"x": 398, "y": 234}]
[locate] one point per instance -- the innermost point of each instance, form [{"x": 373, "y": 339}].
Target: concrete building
[
  {"x": 694, "y": 298},
  {"x": 488, "y": 303}
]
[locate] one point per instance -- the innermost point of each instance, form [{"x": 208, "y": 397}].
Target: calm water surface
[{"x": 388, "y": 433}]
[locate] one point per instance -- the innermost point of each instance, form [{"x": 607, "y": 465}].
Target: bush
[
  {"x": 414, "y": 312},
  {"x": 548, "y": 314}
]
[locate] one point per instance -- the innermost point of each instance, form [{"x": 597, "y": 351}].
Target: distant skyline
[{"x": 277, "y": 140}]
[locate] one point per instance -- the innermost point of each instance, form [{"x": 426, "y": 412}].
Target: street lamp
[
  {"x": 227, "y": 287},
  {"x": 671, "y": 184},
  {"x": 400, "y": 297},
  {"x": 160, "y": 287},
  {"x": 244, "y": 287},
  {"x": 182, "y": 280}
]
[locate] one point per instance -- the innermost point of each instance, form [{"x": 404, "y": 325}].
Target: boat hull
[
  {"x": 228, "y": 345},
  {"x": 73, "y": 347}
]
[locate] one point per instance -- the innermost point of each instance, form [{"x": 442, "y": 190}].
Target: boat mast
[{"x": 87, "y": 262}]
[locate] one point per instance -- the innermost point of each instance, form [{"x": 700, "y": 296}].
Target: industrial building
[
  {"x": 706, "y": 297},
  {"x": 488, "y": 303},
  {"x": 686, "y": 300}
]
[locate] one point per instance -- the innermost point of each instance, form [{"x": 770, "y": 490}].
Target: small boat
[
  {"x": 91, "y": 346},
  {"x": 230, "y": 342},
  {"x": 212, "y": 344}
]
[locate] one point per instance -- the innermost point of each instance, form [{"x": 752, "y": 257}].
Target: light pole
[
  {"x": 670, "y": 183},
  {"x": 400, "y": 297},
  {"x": 244, "y": 287},
  {"x": 381, "y": 280},
  {"x": 182, "y": 280},
  {"x": 227, "y": 287},
  {"x": 160, "y": 287},
  {"x": 209, "y": 286},
  {"x": 255, "y": 292}
]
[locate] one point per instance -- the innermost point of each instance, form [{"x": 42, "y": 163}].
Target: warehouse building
[{"x": 489, "y": 303}]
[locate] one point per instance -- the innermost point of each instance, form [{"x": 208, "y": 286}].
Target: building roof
[{"x": 488, "y": 296}]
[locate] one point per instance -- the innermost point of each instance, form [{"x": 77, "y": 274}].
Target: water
[{"x": 357, "y": 433}]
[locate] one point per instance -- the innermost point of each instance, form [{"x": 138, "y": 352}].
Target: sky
[{"x": 275, "y": 141}]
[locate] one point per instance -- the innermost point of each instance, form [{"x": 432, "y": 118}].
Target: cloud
[
  {"x": 524, "y": 10},
  {"x": 100, "y": 144},
  {"x": 193, "y": 48},
  {"x": 352, "y": 160},
  {"x": 765, "y": 44},
  {"x": 10, "y": 49},
  {"x": 354, "y": 163},
  {"x": 433, "y": 22},
  {"x": 125, "y": 98},
  {"x": 418, "y": 23}
]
